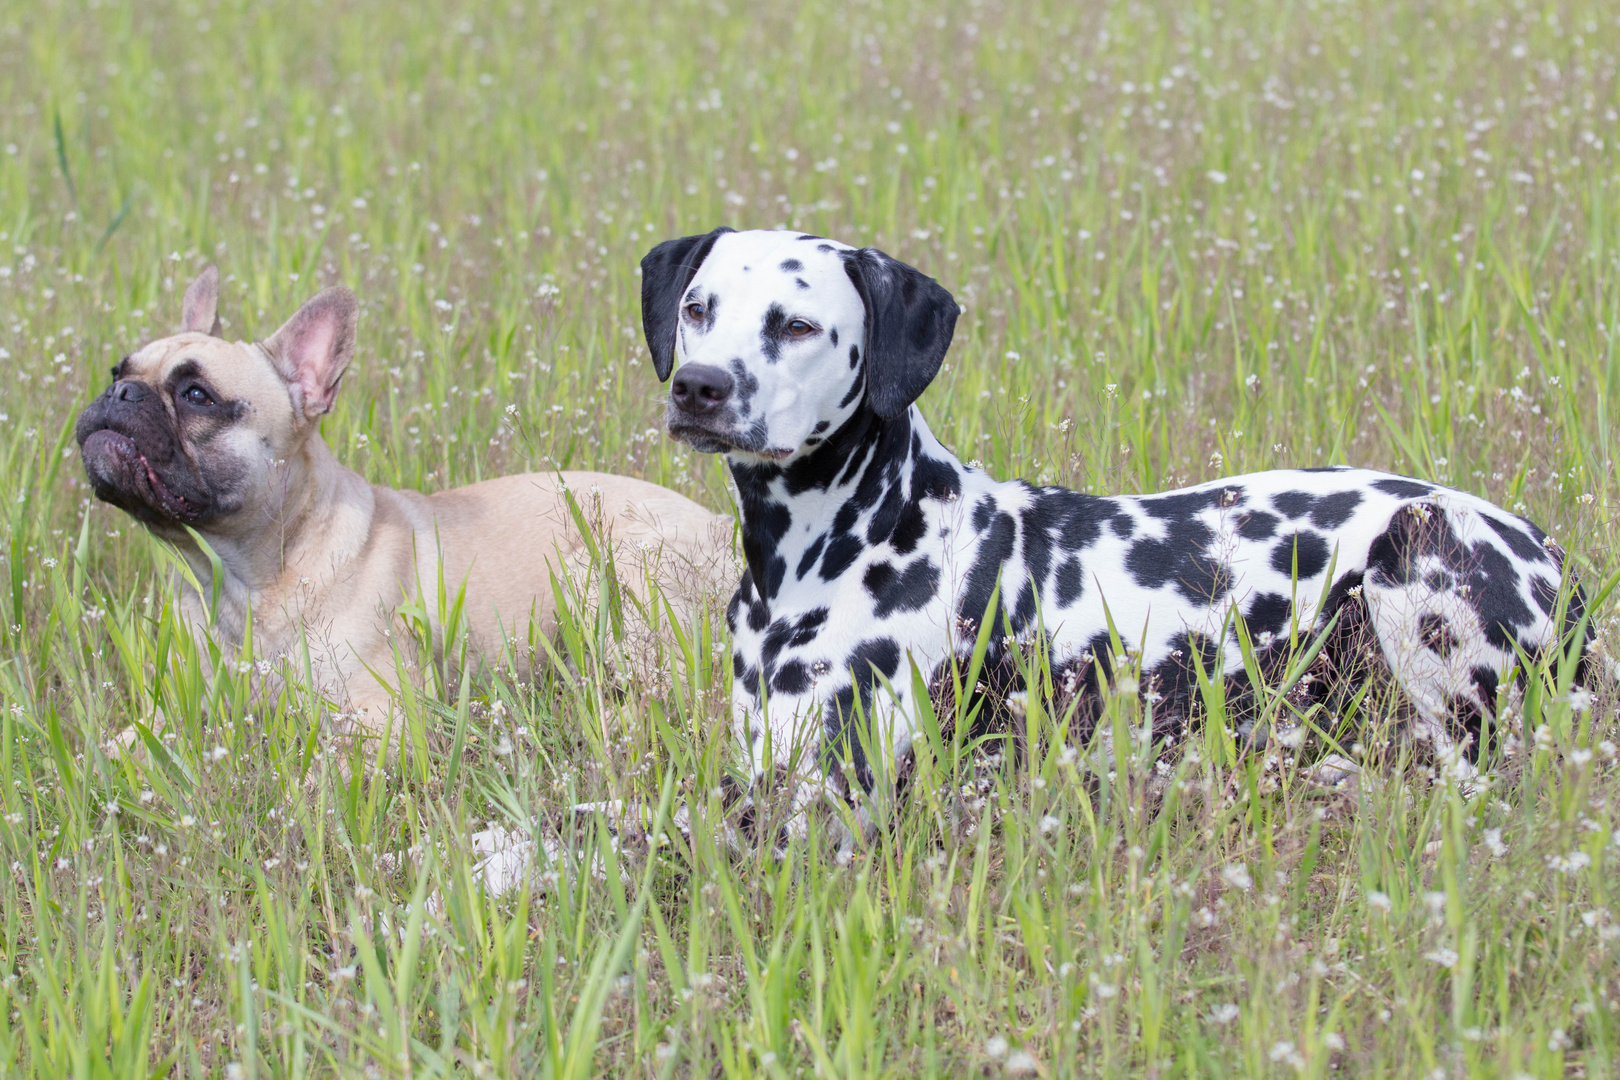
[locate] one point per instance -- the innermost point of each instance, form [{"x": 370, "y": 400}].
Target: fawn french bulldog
[{"x": 199, "y": 434}]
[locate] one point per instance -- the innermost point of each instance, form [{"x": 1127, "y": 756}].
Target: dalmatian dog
[{"x": 870, "y": 547}]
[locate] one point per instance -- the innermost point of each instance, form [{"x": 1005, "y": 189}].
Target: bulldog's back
[{"x": 506, "y": 537}]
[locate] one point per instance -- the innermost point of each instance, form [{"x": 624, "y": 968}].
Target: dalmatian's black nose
[{"x": 700, "y": 389}]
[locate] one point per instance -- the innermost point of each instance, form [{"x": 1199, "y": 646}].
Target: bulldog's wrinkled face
[
  {"x": 776, "y": 339},
  {"x": 193, "y": 427},
  {"x": 174, "y": 439}
]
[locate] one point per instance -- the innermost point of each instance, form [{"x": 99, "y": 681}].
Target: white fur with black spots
[{"x": 869, "y": 545}]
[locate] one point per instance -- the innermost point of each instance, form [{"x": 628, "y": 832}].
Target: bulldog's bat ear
[
  {"x": 666, "y": 271},
  {"x": 313, "y": 349},
  {"x": 910, "y": 318},
  {"x": 199, "y": 311}
]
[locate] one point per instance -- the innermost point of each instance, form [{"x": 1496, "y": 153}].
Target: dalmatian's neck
[{"x": 806, "y": 521}]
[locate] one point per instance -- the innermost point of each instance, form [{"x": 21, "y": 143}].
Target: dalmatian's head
[{"x": 777, "y": 339}]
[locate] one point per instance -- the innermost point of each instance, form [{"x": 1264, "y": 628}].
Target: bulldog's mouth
[{"x": 117, "y": 467}]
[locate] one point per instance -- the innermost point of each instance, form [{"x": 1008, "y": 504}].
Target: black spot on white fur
[{"x": 773, "y": 333}]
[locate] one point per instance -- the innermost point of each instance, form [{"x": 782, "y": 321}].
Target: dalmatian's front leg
[{"x": 781, "y": 741}]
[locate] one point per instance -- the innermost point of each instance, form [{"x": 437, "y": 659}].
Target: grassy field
[{"x": 1191, "y": 239}]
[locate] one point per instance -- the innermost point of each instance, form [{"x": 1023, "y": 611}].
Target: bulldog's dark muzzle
[{"x": 133, "y": 458}]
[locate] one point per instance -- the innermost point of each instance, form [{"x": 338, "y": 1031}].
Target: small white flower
[
  {"x": 1444, "y": 957},
  {"x": 1493, "y": 841},
  {"x": 1216, "y": 176},
  {"x": 1021, "y": 1063},
  {"x": 1237, "y": 876},
  {"x": 1380, "y": 901},
  {"x": 995, "y": 1048},
  {"x": 1572, "y": 863},
  {"x": 1224, "y": 1013}
]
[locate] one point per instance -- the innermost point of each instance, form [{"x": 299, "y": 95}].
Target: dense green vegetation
[{"x": 1191, "y": 239}]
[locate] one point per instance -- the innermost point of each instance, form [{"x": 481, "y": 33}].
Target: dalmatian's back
[{"x": 1451, "y": 583}]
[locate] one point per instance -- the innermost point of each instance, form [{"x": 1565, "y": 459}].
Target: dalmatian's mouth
[{"x": 706, "y": 440}]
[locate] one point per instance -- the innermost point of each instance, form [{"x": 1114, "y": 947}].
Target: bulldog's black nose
[
  {"x": 700, "y": 389},
  {"x": 129, "y": 390}
]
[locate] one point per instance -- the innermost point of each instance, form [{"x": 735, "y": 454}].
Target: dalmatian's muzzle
[{"x": 701, "y": 413}]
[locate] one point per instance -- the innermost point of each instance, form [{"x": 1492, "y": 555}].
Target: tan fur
[{"x": 318, "y": 556}]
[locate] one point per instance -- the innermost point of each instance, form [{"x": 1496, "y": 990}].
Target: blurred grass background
[{"x": 1191, "y": 240}]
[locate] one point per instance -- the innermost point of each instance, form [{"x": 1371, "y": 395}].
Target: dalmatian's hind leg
[{"x": 1424, "y": 576}]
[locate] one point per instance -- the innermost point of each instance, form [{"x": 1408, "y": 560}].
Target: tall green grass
[{"x": 1191, "y": 240}]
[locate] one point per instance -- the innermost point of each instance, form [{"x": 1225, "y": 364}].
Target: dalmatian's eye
[
  {"x": 800, "y": 328},
  {"x": 695, "y": 310}
]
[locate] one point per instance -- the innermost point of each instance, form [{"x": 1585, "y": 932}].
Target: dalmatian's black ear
[
  {"x": 666, "y": 271},
  {"x": 909, "y": 322}
]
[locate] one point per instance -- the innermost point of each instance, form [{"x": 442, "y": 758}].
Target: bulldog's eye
[
  {"x": 800, "y": 328},
  {"x": 695, "y": 310},
  {"x": 198, "y": 396}
]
